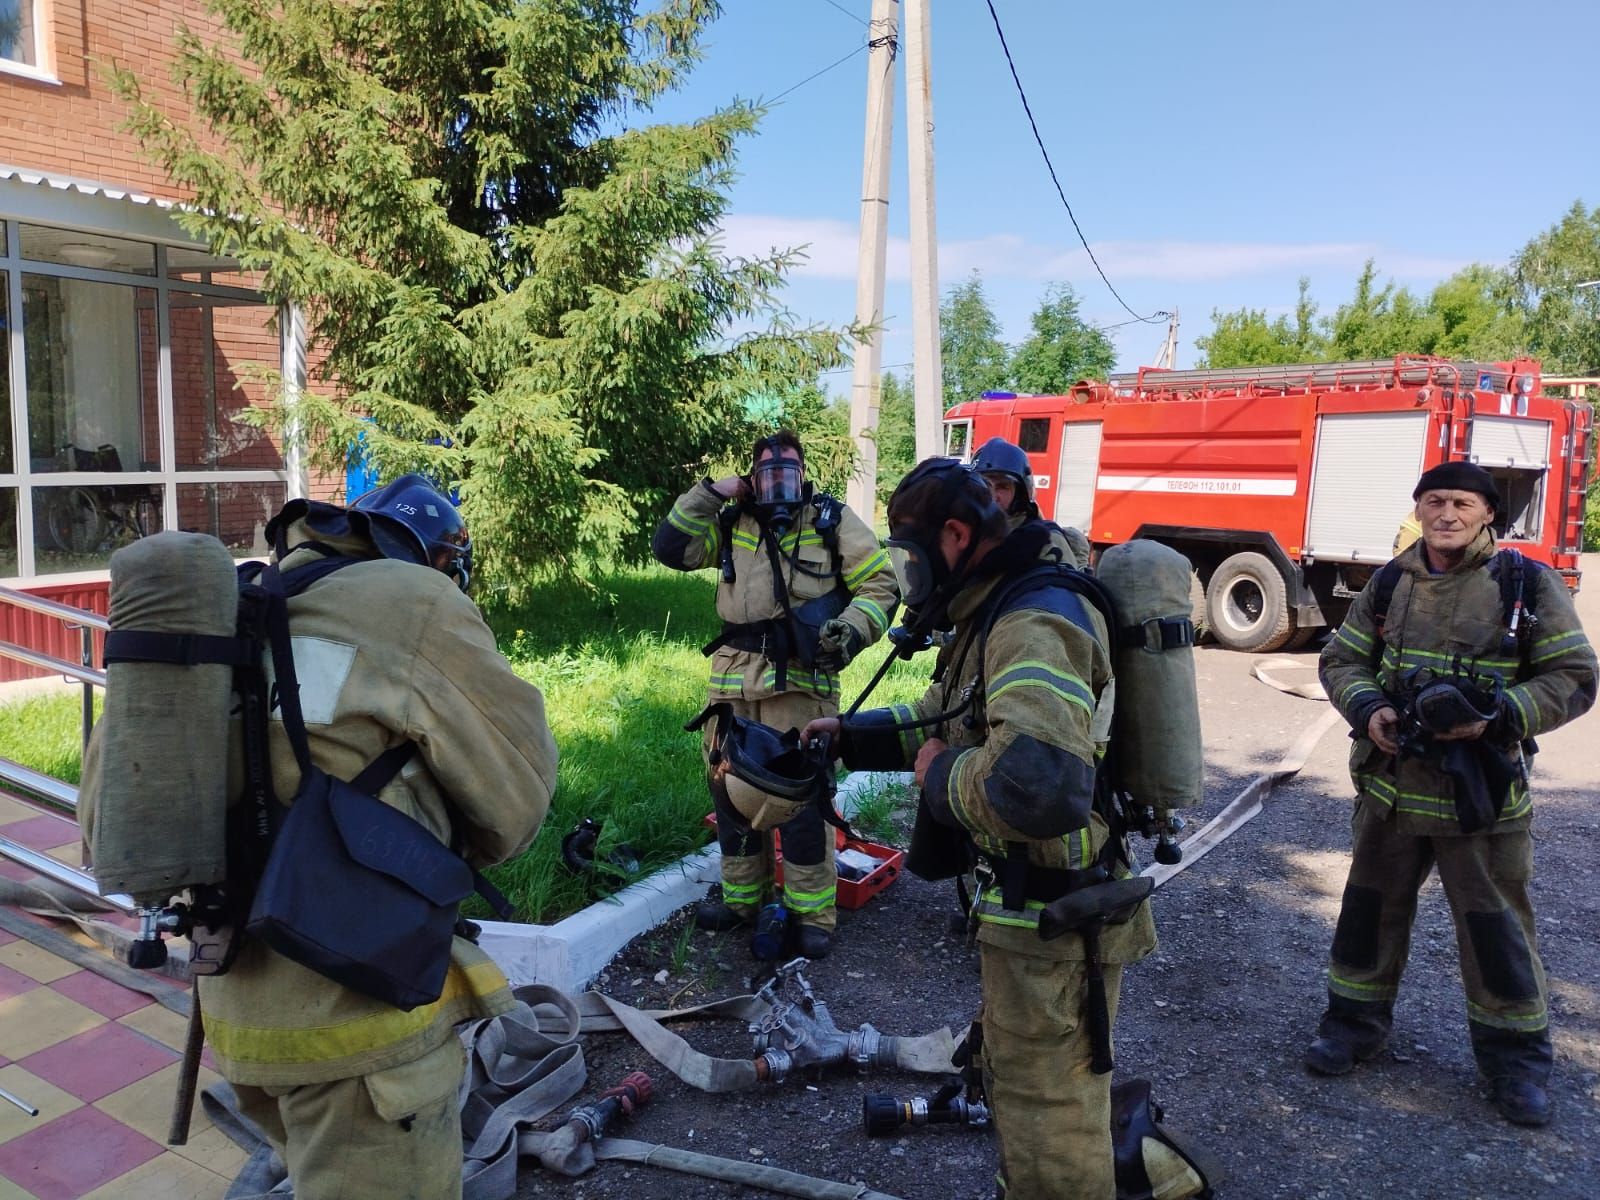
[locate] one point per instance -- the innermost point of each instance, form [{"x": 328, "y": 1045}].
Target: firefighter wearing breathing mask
[
  {"x": 804, "y": 588},
  {"x": 1002, "y": 749}
]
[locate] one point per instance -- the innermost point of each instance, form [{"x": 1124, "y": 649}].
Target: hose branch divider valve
[{"x": 798, "y": 1034}]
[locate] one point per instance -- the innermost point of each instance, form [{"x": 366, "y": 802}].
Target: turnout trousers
[
  {"x": 810, "y": 880},
  {"x": 1485, "y": 878},
  {"x": 391, "y": 1135},
  {"x": 1051, "y": 1113}
]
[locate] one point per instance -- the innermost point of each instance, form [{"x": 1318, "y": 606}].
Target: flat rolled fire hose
[
  {"x": 774, "y": 1179},
  {"x": 1247, "y": 804}
]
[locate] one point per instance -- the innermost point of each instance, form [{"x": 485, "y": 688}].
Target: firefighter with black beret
[{"x": 1452, "y": 659}]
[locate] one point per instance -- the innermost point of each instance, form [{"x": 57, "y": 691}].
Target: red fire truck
[{"x": 1286, "y": 485}]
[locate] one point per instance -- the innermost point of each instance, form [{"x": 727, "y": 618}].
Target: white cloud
[{"x": 830, "y": 247}]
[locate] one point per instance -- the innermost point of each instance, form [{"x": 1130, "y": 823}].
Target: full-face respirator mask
[
  {"x": 927, "y": 581},
  {"x": 777, "y": 487}
]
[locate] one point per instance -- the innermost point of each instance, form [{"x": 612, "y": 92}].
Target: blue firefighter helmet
[{"x": 411, "y": 520}]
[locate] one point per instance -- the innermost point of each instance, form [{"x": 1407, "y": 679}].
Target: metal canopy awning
[{"x": 54, "y": 199}]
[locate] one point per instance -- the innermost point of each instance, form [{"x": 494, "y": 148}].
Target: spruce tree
[{"x": 510, "y": 276}]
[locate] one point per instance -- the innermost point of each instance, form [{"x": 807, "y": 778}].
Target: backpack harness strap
[
  {"x": 1508, "y": 568},
  {"x": 774, "y": 638}
]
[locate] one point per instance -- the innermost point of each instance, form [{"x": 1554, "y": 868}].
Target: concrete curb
[{"x": 570, "y": 953}]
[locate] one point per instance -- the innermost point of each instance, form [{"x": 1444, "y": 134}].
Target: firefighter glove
[{"x": 838, "y": 643}]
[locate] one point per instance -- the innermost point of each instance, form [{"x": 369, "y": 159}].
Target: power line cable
[
  {"x": 817, "y": 74},
  {"x": 1034, "y": 125},
  {"x": 848, "y": 13},
  {"x": 883, "y": 367}
]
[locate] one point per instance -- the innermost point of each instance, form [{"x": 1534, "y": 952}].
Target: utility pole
[
  {"x": 927, "y": 369},
  {"x": 867, "y": 380},
  {"x": 1168, "y": 358}
]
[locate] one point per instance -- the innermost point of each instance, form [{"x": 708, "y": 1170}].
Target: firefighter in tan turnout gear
[
  {"x": 804, "y": 588},
  {"x": 360, "y": 1097},
  {"x": 1012, "y": 764},
  {"x": 1452, "y": 659}
]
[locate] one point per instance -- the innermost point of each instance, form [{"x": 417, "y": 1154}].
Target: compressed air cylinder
[
  {"x": 1156, "y": 725},
  {"x": 160, "y": 763}
]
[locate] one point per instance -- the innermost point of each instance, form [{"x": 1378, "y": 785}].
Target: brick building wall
[{"x": 74, "y": 127}]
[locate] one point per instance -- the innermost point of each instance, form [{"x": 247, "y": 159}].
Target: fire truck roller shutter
[{"x": 1247, "y": 604}]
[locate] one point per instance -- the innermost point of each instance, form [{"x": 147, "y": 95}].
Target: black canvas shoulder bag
[{"x": 353, "y": 888}]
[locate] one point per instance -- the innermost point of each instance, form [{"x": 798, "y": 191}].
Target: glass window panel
[
  {"x": 8, "y": 532},
  {"x": 215, "y": 343},
  {"x": 19, "y": 35},
  {"x": 955, "y": 438},
  {"x": 194, "y": 264},
  {"x": 76, "y": 248},
  {"x": 77, "y": 528},
  {"x": 6, "y": 464},
  {"x": 91, "y": 357},
  {"x": 237, "y": 513},
  {"x": 1033, "y": 435}
]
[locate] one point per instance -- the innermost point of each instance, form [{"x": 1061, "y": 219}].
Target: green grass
[
  {"x": 46, "y": 733},
  {"x": 883, "y": 811},
  {"x": 621, "y": 671}
]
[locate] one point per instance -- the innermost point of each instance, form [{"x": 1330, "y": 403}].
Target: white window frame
[
  {"x": 169, "y": 475},
  {"x": 43, "y": 67}
]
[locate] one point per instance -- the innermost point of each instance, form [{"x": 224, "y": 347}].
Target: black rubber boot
[
  {"x": 812, "y": 942},
  {"x": 717, "y": 916},
  {"x": 1517, "y": 1066},
  {"x": 1335, "y": 1056},
  {"x": 1520, "y": 1102},
  {"x": 1351, "y": 1031}
]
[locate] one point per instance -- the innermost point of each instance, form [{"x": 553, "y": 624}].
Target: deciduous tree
[
  {"x": 974, "y": 358},
  {"x": 1563, "y": 316},
  {"x": 1062, "y": 348},
  {"x": 1245, "y": 337}
]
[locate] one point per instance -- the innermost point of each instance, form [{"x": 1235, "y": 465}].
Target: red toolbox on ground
[{"x": 853, "y": 893}]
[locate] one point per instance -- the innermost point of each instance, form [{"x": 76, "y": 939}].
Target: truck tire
[
  {"x": 1303, "y": 636},
  {"x": 1247, "y": 604}
]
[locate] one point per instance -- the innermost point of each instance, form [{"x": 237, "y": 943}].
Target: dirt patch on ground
[{"x": 1217, "y": 1018}]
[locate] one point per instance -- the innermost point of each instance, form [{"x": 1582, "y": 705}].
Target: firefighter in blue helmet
[
  {"x": 358, "y": 1096},
  {"x": 1005, "y": 468}
]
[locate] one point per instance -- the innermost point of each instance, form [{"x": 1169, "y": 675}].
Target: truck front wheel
[{"x": 1248, "y": 605}]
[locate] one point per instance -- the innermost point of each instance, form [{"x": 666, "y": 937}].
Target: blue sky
[{"x": 1213, "y": 153}]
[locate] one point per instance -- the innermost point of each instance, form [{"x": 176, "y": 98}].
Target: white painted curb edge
[{"x": 570, "y": 953}]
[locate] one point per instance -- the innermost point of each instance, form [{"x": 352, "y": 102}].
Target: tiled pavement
[{"x": 99, "y": 1061}]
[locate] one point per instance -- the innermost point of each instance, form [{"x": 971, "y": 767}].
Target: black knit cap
[{"x": 1459, "y": 477}]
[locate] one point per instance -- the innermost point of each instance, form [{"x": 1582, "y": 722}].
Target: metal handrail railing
[
  {"x": 54, "y": 608},
  {"x": 35, "y": 785}
]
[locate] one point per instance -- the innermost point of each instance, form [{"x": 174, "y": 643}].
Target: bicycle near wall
[{"x": 89, "y": 520}]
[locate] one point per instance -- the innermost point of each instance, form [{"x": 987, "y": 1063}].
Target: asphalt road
[{"x": 1217, "y": 1018}]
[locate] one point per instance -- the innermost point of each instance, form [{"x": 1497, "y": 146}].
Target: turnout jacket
[
  {"x": 1019, "y": 773},
  {"x": 386, "y": 651},
  {"x": 690, "y": 538},
  {"x": 1448, "y": 622}
]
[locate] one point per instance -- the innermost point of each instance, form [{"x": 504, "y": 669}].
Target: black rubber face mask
[{"x": 927, "y": 582}]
